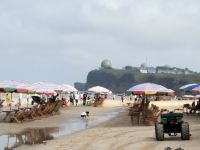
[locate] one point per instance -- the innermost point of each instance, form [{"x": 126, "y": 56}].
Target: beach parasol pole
[{"x": 11, "y": 96}]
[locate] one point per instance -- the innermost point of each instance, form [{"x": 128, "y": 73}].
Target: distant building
[
  {"x": 145, "y": 69},
  {"x": 151, "y": 70},
  {"x": 164, "y": 69},
  {"x": 188, "y": 72},
  {"x": 174, "y": 70},
  {"x": 106, "y": 64}
]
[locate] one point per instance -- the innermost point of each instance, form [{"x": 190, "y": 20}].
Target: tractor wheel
[
  {"x": 185, "y": 131},
  {"x": 159, "y": 131}
]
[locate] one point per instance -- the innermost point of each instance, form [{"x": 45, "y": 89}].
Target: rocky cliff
[{"x": 119, "y": 80}]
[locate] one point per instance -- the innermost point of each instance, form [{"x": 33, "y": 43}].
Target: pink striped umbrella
[
  {"x": 168, "y": 92},
  {"x": 21, "y": 87},
  {"x": 44, "y": 88},
  {"x": 68, "y": 88},
  {"x": 147, "y": 89}
]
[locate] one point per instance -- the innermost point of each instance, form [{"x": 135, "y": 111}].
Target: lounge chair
[{"x": 1, "y": 102}]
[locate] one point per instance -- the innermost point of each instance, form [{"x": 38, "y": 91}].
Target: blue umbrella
[{"x": 189, "y": 87}]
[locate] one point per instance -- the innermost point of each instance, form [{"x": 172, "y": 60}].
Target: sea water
[{"x": 34, "y": 136}]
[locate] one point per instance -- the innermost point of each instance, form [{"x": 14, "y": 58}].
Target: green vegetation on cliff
[{"x": 119, "y": 80}]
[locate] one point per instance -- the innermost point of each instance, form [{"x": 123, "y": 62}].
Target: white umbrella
[
  {"x": 68, "y": 88},
  {"x": 99, "y": 89}
]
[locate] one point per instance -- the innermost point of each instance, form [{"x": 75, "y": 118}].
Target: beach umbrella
[
  {"x": 168, "y": 92},
  {"x": 45, "y": 91},
  {"x": 44, "y": 88},
  {"x": 146, "y": 89},
  {"x": 6, "y": 87},
  {"x": 57, "y": 88},
  {"x": 188, "y": 96},
  {"x": 68, "y": 88},
  {"x": 14, "y": 86},
  {"x": 189, "y": 87},
  {"x": 99, "y": 89},
  {"x": 23, "y": 87},
  {"x": 196, "y": 89},
  {"x": 197, "y": 96}
]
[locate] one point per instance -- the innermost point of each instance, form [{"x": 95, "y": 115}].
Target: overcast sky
[{"x": 62, "y": 40}]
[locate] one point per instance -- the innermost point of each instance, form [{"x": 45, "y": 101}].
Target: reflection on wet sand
[
  {"x": 42, "y": 135},
  {"x": 30, "y": 137}
]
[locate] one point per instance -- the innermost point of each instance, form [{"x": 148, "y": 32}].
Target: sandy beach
[{"x": 116, "y": 133}]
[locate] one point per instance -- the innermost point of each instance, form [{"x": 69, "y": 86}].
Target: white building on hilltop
[{"x": 145, "y": 69}]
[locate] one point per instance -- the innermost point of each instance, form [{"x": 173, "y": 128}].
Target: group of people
[
  {"x": 75, "y": 97},
  {"x": 84, "y": 97}
]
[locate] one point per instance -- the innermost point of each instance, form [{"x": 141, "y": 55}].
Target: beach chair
[
  {"x": 153, "y": 117},
  {"x": 52, "y": 107},
  {"x": 135, "y": 114},
  {"x": 57, "y": 107},
  {"x": 89, "y": 102},
  {"x": 46, "y": 108},
  {"x": 98, "y": 102},
  {"x": 18, "y": 116},
  {"x": 1, "y": 102}
]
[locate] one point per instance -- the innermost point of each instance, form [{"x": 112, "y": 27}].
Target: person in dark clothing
[
  {"x": 198, "y": 104},
  {"x": 53, "y": 98},
  {"x": 71, "y": 98},
  {"x": 84, "y": 99}
]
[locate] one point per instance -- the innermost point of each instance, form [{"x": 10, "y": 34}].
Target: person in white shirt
[{"x": 76, "y": 98}]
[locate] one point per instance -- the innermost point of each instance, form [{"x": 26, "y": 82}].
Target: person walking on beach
[
  {"x": 71, "y": 98},
  {"x": 76, "y": 98},
  {"x": 84, "y": 99},
  {"x": 122, "y": 98},
  {"x": 113, "y": 97}
]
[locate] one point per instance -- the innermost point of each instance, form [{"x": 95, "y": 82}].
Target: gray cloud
[{"x": 60, "y": 41}]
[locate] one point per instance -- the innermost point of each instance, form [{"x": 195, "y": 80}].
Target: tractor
[{"x": 172, "y": 123}]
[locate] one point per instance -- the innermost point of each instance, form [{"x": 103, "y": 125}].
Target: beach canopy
[
  {"x": 188, "y": 96},
  {"x": 45, "y": 88},
  {"x": 147, "y": 89},
  {"x": 51, "y": 88},
  {"x": 99, "y": 89},
  {"x": 189, "y": 87},
  {"x": 168, "y": 92},
  {"x": 196, "y": 89},
  {"x": 68, "y": 88},
  {"x": 14, "y": 86},
  {"x": 38, "y": 87},
  {"x": 197, "y": 96}
]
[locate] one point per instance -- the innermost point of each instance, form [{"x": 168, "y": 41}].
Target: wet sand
[{"x": 117, "y": 133}]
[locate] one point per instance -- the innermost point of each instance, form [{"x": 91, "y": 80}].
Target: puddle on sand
[
  {"x": 34, "y": 136},
  {"x": 27, "y": 137}
]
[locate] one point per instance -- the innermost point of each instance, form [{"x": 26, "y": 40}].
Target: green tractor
[{"x": 172, "y": 123}]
